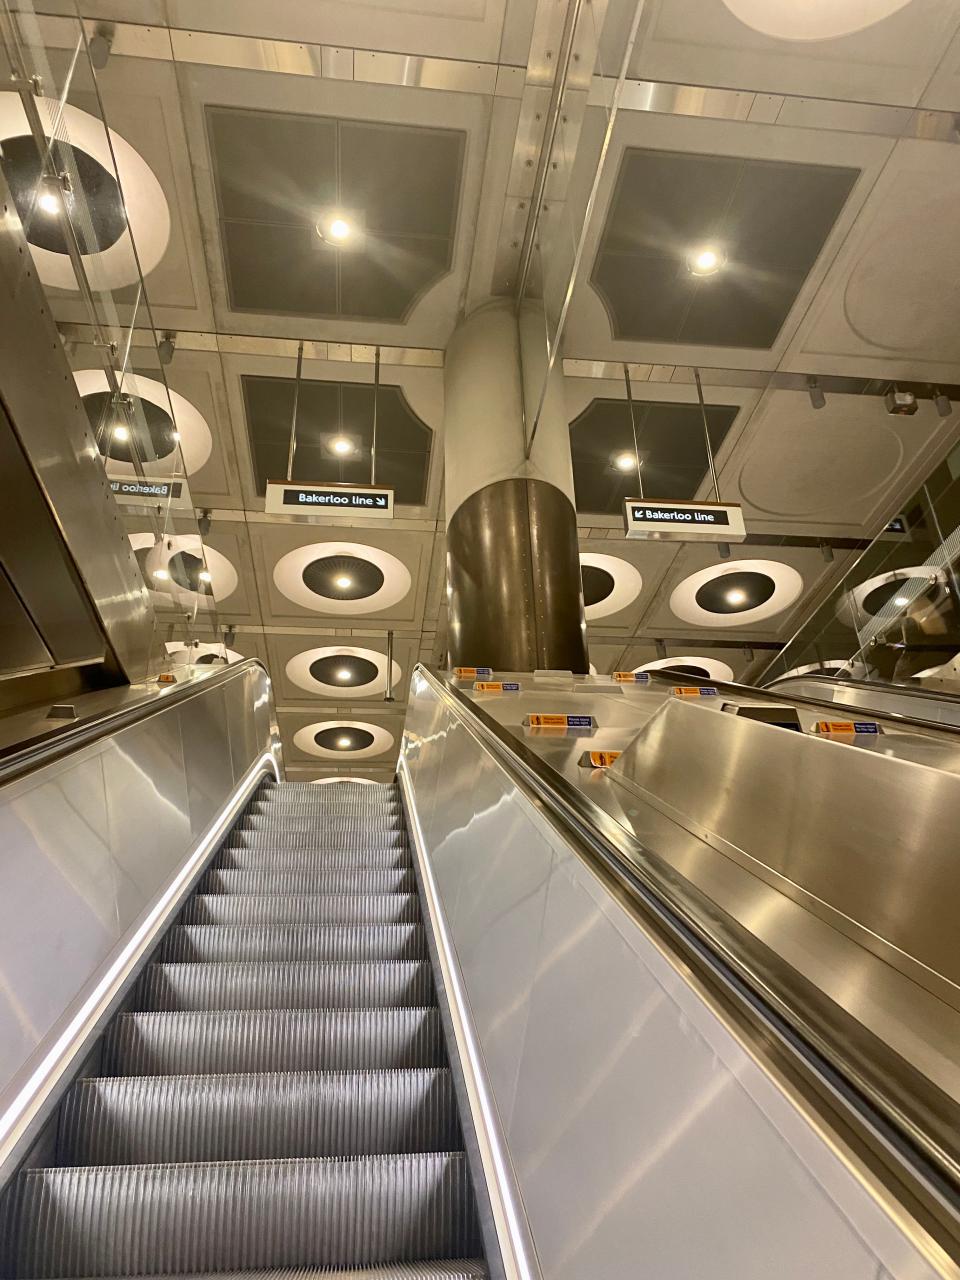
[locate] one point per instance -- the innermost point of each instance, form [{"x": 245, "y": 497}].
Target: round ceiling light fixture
[
  {"x": 340, "y": 228},
  {"x": 342, "y": 446},
  {"x": 315, "y": 577},
  {"x": 706, "y": 260},
  {"x": 333, "y": 739},
  {"x": 625, "y": 461},
  {"x": 691, "y": 665},
  {"x": 736, "y": 594},
  {"x": 921, "y": 584},
  {"x": 97, "y": 156},
  {"x": 814, "y": 19},
  {"x": 852, "y": 668},
  {"x": 609, "y": 584},
  {"x": 333, "y": 671},
  {"x": 160, "y": 421},
  {"x": 180, "y": 560}
]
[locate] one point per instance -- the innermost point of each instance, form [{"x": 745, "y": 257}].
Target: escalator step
[
  {"x": 358, "y": 823},
  {"x": 176, "y": 1119},
  {"x": 140, "y": 1219},
  {"x": 295, "y": 942},
  {"x": 307, "y": 859},
  {"x": 317, "y": 880},
  {"x": 273, "y": 1040},
  {"x": 318, "y": 836},
  {"x": 451, "y": 1269},
  {"x": 302, "y": 984},
  {"x": 355, "y": 908}
]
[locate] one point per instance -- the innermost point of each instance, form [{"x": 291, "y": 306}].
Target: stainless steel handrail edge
[
  {"x": 871, "y": 1090},
  {"x": 39, "y": 1096},
  {"x": 517, "y": 1250},
  {"x": 36, "y": 753},
  {"x": 907, "y": 690}
]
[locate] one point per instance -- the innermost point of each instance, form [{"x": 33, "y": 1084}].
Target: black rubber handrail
[
  {"x": 40, "y": 750},
  {"x": 888, "y": 1103}
]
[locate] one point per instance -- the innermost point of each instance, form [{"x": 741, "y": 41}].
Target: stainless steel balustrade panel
[
  {"x": 644, "y": 1136},
  {"x": 89, "y": 841}
]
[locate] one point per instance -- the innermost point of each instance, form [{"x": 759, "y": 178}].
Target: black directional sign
[{"x": 309, "y": 499}]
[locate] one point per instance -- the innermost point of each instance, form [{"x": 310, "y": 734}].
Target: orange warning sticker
[
  {"x": 847, "y": 728},
  {"x": 694, "y": 691},
  {"x": 472, "y": 673},
  {"x": 632, "y": 677},
  {"x": 496, "y": 686},
  {"x": 539, "y": 721}
]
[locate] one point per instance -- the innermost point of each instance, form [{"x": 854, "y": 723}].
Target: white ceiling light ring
[
  {"x": 712, "y": 668},
  {"x": 814, "y": 19},
  {"x": 627, "y": 584},
  {"x": 298, "y": 671},
  {"x": 786, "y": 586},
  {"x": 145, "y": 203},
  {"x": 353, "y": 782},
  {"x": 195, "y": 436},
  {"x": 851, "y": 607},
  {"x": 850, "y": 668},
  {"x": 194, "y": 653},
  {"x": 224, "y": 578},
  {"x": 305, "y": 740},
  {"x": 147, "y": 544},
  {"x": 288, "y": 578}
]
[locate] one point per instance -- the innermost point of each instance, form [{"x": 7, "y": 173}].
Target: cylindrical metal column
[{"x": 513, "y": 568}]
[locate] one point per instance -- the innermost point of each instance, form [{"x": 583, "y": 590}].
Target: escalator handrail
[
  {"x": 882, "y": 1095},
  {"x": 33, "y": 754},
  {"x": 664, "y": 676},
  {"x": 880, "y": 686}
]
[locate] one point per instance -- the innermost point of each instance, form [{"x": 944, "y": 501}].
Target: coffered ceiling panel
[{"x": 342, "y": 669}]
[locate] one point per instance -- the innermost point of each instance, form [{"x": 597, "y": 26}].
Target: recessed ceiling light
[
  {"x": 901, "y": 601},
  {"x": 120, "y": 432},
  {"x": 48, "y": 203},
  {"x": 736, "y": 595},
  {"x": 343, "y": 582},
  {"x": 344, "y": 742},
  {"x": 343, "y": 674},
  {"x": 625, "y": 462},
  {"x": 341, "y": 445},
  {"x": 161, "y": 574},
  {"x": 340, "y": 229},
  {"x": 205, "y": 575},
  {"x": 706, "y": 260}
]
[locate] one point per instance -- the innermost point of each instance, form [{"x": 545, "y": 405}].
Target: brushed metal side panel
[
  {"x": 207, "y": 759},
  {"x": 871, "y": 837},
  {"x": 21, "y": 646},
  {"x": 513, "y": 577},
  {"x": 643, "y": 1134}
]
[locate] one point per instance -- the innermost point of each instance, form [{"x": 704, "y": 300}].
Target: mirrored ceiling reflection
[
  {"x": 671, "y": 445},
  {"x": 335, "y": 435}
]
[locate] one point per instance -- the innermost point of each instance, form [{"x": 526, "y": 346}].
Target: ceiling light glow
[
  {"x": 343, "y": 674},
  {"x": 342, "y": 446},
  {"x": 205, "y": 575},
  {"x": 48, "y": 202},
  {"x": 343, "y": 582},
  {"x": 161, "y": 575},
  {"x": 706, "y": 260},
  {"x": 121, "y": 432},
  {"x": 901, "y": 601},
  {"x": 625, "y": 462},
  {"x": 340, "y": 229},
  {"x": 343, "y": 742},
  {"x": 736, "y": 595}
]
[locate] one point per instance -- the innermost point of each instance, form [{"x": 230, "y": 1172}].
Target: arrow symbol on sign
[{"x": 381, "y": 500}]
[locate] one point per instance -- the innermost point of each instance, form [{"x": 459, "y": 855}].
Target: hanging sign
[
  {"x": 598, "y": 759},
  {"x": 472, "y": 673},
  {"x": 289, "y": 499},
  {"x": 683, "y": 521},
  {"x": 847, "y": 728},
  {"x": 147, "y": 492},
  {"x": 496, "y": 686},
  {"x": 632, "y": 677}
]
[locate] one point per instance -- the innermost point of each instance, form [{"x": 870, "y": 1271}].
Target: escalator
[{"x": 275, "y": 1093}]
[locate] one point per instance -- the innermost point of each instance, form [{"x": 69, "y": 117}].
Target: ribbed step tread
[
  {"x": 141, "y": 1219},
  {"x": 224, "y": 908},
  {"x": 454, "y": 1269},
  {"x": 319, "y": 837},
  {"x": 355, "y": 822},
  {"x": 273, "y": 1040},
  {"x": 179, "y": 1119},
  {"x": 303, "y": 984},
  {"x": 313, "y": 881},
  {"x": 312, "y": 859},
  {"x": 216, "y": 942}
]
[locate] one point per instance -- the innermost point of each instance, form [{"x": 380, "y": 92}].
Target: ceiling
[{"x": 823, "y": 169}]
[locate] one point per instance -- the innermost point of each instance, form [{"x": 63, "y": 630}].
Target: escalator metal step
[
  {"x": 449, "y": 1269},
  {"x": 295, "y": 942},
  {"x": 307, "y": 859},
  {"x": 358, "y": 822},
  {"x": 318, "y": 836},
  {"x": 356, "y": 908},
  {"x": 140, "y": 1219},
  {"x": 314, "y": 880},
  {"x": 273, "y": 1040},
  {"x": 302, "y": 984},
  {"x": 179, "y": 1119}
]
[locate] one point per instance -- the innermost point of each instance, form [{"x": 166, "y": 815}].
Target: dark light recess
[
  {"x": 345, "y": 671},
  {"x": 185, "y": 570},
  {"x": 210, "y": 659},
  {"x": 276, "y": 175},
  {"x": 342, "y": 578},
  {"x": 597, "y": 584},
  {"x": 916, "y": 590},
  {"x": 770, "y": 218},
  {"x": 334, "y": 739},
  {"x": 686, "y": 669},
  {"x": 152, "y": 434},
  {"x": 735, "y": 592},
  {"x": 95, "y": 191},
  {"x": 673, "y": 452},
  {"x": 327, "y": 411}
]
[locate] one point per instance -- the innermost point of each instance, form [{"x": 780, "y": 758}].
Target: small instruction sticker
[
  {"x": 632, "y": 677},
  {"x": 695, "y": 691},
  {"x": 541, "y": 720},
  {"x": 472, "y": 673},
  {"x": 496, "y": 686},
  {"x": 599, "y": 759},
  {"x": 848, "y": 728}
]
